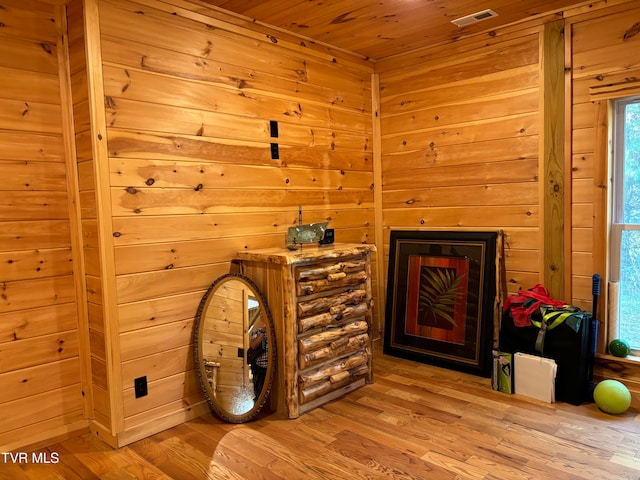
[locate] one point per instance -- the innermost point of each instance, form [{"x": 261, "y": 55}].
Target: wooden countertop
[{"x": 306, "y": 252}]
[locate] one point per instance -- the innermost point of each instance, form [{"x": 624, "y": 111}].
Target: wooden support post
[
  {"x": 601, "y": 219},
  {"x": 75, "y": 219},
  {"x": 378, "y": 323},
  {"x": 552, "y": 162},
  {"x": 95, "y": 83}
]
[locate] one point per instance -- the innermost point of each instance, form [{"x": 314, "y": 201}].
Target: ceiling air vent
[{"x": 474, "y": 17}]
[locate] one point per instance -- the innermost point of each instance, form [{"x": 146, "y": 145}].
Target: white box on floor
[{"x": 535, "y": 377}]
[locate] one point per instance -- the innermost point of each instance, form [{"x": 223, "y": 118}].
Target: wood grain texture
[
  {"x": 178, "y": 175},
  {"x": 84, "y": 182},
  {"x": 415, "y": 421},
  {"x": 553, "y": 164},
  {"x": 303, "y": 383},
  {"x": 381, "y": 30},
  {"x": 40, "y": 368},
  {"x": 461, "y": 130},
  {"x": 599, "y": 58},
  {"x": 105, "y": 282},
  {"x": 176, "y": 104}
]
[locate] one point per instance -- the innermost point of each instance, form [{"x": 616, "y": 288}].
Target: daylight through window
[{"x": 625, "y": 230}]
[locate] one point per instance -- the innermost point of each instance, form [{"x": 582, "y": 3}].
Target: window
[{"x": 625, "y": 229}]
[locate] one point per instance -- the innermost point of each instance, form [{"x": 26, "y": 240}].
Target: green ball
[
  {"x": 619, "y": 348},
  {"x": 611, "y": 396}
]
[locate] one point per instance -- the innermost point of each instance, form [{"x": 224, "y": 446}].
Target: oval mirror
[{"x": 233, "y": 316}]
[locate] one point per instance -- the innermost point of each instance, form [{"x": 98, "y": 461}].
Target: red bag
[{"x": 526, "y": 302}]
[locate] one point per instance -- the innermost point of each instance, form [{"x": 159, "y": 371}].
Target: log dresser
[{"x": 321, "y": 302}]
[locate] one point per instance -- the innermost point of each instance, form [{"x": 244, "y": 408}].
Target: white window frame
[{"x": 617, "y": 227}]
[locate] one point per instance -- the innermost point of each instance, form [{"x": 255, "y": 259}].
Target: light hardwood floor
[{"x": 414, "y": 422}]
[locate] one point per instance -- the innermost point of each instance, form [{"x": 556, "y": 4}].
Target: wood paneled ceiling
[{"x": 377, "y": 29}]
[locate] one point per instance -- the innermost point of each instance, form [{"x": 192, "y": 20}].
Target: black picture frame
[{"x": 441, "y": 298}]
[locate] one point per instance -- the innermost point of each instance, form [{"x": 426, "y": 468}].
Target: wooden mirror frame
[{"x": 230, "y": 353}]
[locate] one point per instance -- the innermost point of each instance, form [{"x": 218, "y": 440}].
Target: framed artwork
[{"x": 441, "y": 298}]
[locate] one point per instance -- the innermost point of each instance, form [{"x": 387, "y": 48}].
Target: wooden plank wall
[
  {"x": 461, "y": 144},
  {"x": 605, "y": 65},
  {"x": 40, "y": 367},
  {"x": 189, "y": 96},
  {"x": 101, "y": 406},
  {"x": 189, "y": 100},
  {"x": 461, "y": 135}
]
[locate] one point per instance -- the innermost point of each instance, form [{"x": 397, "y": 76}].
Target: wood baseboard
[
  {"x": 103, "y": 433},
  {"x": 625, "y": 370},
  {"x": 47, "y": 436},
  {"x": 150, "y": 428}
]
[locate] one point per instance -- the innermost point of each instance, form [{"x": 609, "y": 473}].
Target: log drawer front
[{"x": 321, "y": 301}]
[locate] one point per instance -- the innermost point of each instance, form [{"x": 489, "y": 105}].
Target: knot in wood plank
[{"x": 632, "y": 32}]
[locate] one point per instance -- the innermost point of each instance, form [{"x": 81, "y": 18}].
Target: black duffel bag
[{"x": 536, "y": 324}]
